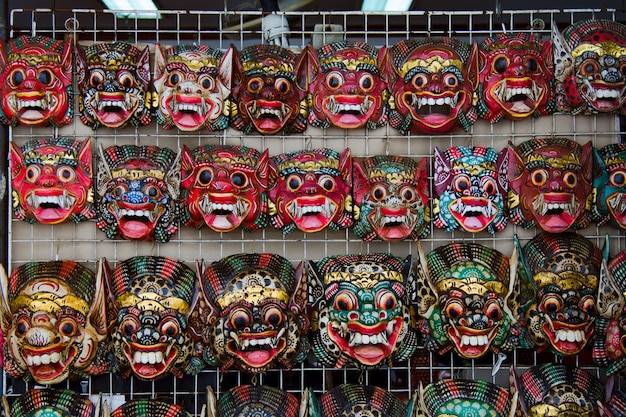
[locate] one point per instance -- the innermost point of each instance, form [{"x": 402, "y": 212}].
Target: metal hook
[
  {"x": 387, "y": 146},
  {"x": 308, "y": 143},
  {"x": 71, "y": 24}
]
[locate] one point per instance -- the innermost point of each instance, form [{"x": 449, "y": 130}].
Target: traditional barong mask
[
  {"x": 352, "y": 400},
  {"x": 471, "y": 188},
  {"x": 609, "y": 349},
  {"x": 36, "y": 81},
  {"x": 432, "y": 81},
  {"x": 465, "y": 398},
  {"x": 559, "y": 275},
  {"x": 257, "y": 318},
  {"x": 550, "y": 183},
  {"x": 144, "y": 407},
  {"x": 345, "y": 88},
  {"x": 589, "y": 67},
  {"x": 559, "y": 390},
  {"x": 113, "y": 80},
  {"x": 253, "y": 401},
  {"x": 468, "y": 299},
  {"x": 226, "y": 187},
  {"x": 362, "y": 310},
  {"x": 267, "y": 95},
  {"x": 52, "y": 180},
  {"x": 192, "y": 83},
  {"x": 54, "y": 322},
  {"x": 391, "y": 194},
  {"x": 153, "y": 298},
  {"x": 516, "y": 74},
  {"x": 51, "y": 403},
  {"x": 313, "y": 191},
  {"x": 609, "y": 185},
  {"x": 617, "y": 403},
  {"x": 138, "y": 190}
]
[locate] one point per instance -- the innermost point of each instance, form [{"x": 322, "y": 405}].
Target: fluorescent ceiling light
[
  {"x": 386, "y": 5},
  {"x": 145, "y": 9}
]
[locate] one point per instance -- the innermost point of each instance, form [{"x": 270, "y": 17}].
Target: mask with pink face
[
  {"x": 225, "y": 187},
  {"x": 550, "y": 182},
  {"x": 516, "y": 74},
  {"x": 268, "y": 95},
  {"x": 192, "y": 83},
  {"x": 431, "y": 81},
  {"x": 347, "y": 90},
  {"x": 589, "y": 67},
  {"x": 36, "y": 81},
  {"x": 52, "y": 180},
  {"x": 313, "y": 191}
]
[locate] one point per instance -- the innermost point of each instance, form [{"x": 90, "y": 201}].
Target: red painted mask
[
  {"x": 589, "y": 62},
  {"x": 550, "y": 182},
  {"x": 392, "y": 195},
  {"x": 313, "y": 191},
  {"x": 515, "y": 77},
  {"x": 113, "y": 81},
  {"x": 267, "y": 97},
  {"x": 225, "y": 187},
  {"x": 52, "y": 180},
  {"x": 138, "y": 190},
  {"x": 54, "y": 321},
  {"x": 431, "y": 81},
  {"x": 36, "y": 81},
  {"x": 192, "y": 83},
  {"x": 346, "y": 89}
]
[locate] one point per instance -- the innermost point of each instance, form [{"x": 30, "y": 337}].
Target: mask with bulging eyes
[
  {"x": 350, "y": 400},
  {"x": 590, "y": 66},
  {"x": 113, "y": 81},
  {"x": 254, "y": 401},
  {"x": 609, "y": 185},
  {"x": 36, "y": 81}
]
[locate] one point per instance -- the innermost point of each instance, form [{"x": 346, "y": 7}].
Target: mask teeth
[
  {"x": 257, "y": 111},
  {"x": 465, "y": 209},
  {"x": 336, "y": 108},
  {"x": 430, "y": 101},
  {"x": 123, "y": 105},
  {"x": 357, "y": 338},
  {"x": 591, "y": 92}
]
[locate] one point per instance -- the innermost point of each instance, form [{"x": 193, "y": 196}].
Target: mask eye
[
  {"x": 617, "y": 178},
  {"x": 500, "y": 64},
  {"x": 45, "y": 77},
  {"x": 294, "y": 182},
  {"x": 32, "y": 173},
  {"x": 206, "y": 82},
  {"x": 255, "y": 84},
  {"x": 408, "y": 193},
  {"x": 461, "y": 183},
  {"x": 204, "y": 177},
  {"x": 273, "y": 315},
  {"x": 129, "y": 326},
  {"x": 489, "y": 185},
  {"x": 589, "y": 68},
  {"x": 126, "y": 79},
  {"x": 454, "y": 309},
  {"x": 379, "y": 192},
  {"x": 17, "y": 77},
  {"x": 493, "y": 310},
  {"x": 152, "y": 191},
  {"x": 539, "y": 177},
  {"x": 366, "y": 82},
  {"x": 420, "y": 80},
  {"x": 119, "y": 191},
  {"x": 326, "y": 182},
  {"x": 66, "y": 174},
  {"x": 282, "y": 85},
  {"x": 174, "y": 78},
  {"x": 22, "y": 325},
  {"x": 334, "y": 80},
  {"x": 570, "y": 179},
  {"x": 386, "y": 300},
  {"x": 240, "y": 318},
  {"x": 551, "y": 303},
  {"x": 169, "y": 327},
  {"x": 96, "y": 78},
  {"x": 588, "y": 305},
  {"x": 532, "y": 64},
  {"x": 239, "y": 179},
  {"x": 450, "y": 80},
  {"x": 67, "y": 327},
  {"x": 345, "y": 301}
]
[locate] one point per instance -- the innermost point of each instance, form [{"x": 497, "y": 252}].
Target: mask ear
[
  {"x": 211, "y": 402},
  {"x": 316, "y": 286},
  {"x": 345, "y": 166},
  {"x": 81, "y": 68},
  {"x": 528, "y": 288},
  {"x": 85, "y": 157},
  {"x": 143, "y": 67},
  {"x": 514, "y": 388},
  {"x": 104, "y": 173},
  {"x": 5, "y": 309},
  {"x": 98, "y": 310},
  {"x": 502, "y": 168},
  {"x": 360, "y": 184},
  {"x": 186, "y": 167},
  {"x": 563, "y": 59},
  {"x": 264, "y": 173},
  {"x": 17, "y": 165},
  {"x": 159, "y": 62},
  {"x": 442, "y": 172},
  {"x": 213, "y": 311},
  {"x": 516, "y": 168},
  {"x": 3, "y": 56},
  {"x": 226, "y": 69},
  {"x": 473, "y": 70},
  {"x": 298, "y": 300},
  {"x": 66, "y": 58},
  {"x": 307, "y": 67},
  {"x": 586, "y": 162},
  {"x": 425, "y": 289},
  {"x": 6, "y": 409},
  {"x": 611, "y": 300}
]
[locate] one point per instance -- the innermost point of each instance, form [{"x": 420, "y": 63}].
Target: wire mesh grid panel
[{"x": 84, "y": 243}]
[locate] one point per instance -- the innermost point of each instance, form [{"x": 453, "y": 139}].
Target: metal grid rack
[{"x": 219, "y": 29}]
